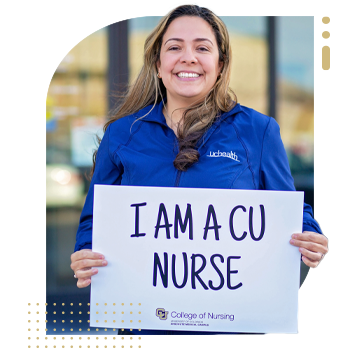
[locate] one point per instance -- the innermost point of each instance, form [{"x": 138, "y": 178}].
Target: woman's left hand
[{"x": 312, "y": 246}]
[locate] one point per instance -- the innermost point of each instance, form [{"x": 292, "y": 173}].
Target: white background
[{"x": 35, "y": 36}]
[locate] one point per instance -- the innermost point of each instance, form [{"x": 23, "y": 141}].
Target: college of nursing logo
[
  {"x": 231, "y": 155},
  {"x": 162, "y": 314}
]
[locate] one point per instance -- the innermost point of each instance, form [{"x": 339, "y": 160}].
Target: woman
[{"x": 175, "y": 122}]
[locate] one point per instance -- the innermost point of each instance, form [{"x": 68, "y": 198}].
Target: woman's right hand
[{"x": 83, "y": 263}]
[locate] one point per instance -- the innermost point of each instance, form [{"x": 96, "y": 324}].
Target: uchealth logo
[
  {"x": 230, "y": 154},
  {"x": 162, "y": 314}
]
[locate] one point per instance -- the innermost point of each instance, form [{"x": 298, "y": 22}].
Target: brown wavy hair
[{"x": 149, "y": 90}]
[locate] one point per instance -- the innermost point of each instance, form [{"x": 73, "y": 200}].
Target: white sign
[{"x": 196, "y": 259}]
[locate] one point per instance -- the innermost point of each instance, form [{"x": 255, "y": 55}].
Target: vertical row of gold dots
[{"x": 326, "y": 51}]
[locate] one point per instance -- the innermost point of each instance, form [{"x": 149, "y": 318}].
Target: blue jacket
[{"x": 241, "y": 150}]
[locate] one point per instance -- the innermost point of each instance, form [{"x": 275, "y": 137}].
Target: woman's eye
[
  {"x": 202, "y": 48},
  {"x": 173, "y": 48}
]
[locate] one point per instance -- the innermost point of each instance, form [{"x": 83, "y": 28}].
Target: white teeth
[{"x": 187, "y": 75}]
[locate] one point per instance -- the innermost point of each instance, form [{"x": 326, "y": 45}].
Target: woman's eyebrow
[{"x": 181, "y": 40}]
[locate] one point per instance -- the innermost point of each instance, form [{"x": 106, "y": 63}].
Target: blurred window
[
  {"x": 295, "y": 100},
  {"x": 76, "y": 109}
]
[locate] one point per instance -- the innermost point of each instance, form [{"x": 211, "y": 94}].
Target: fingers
[
  {"x": 85, "y": 254},
  {"x": 82, "y": 264},
  {"x": 311, "y": 237},
  {"x": 313, "y": 246},
  {"x": 84, "y": 274},
  {"x": 311, "y": 255},
  {"x": 82, "y": 283},
  {"x": 309, "y": 262},
  {"x": 86, "y": 259},
  {"x": 310, "y": 241}
]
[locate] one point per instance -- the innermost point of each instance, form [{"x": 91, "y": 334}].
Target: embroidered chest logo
[{"x": 231, "y": 155}]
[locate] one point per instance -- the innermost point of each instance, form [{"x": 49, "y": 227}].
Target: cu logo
[{"x": 162, "y": 314}]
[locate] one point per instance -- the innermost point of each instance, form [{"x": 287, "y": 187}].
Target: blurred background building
[{"x": 272, "y": 73}]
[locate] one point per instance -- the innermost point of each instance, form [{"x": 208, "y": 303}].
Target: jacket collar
[{"x": 155, "y": 113}]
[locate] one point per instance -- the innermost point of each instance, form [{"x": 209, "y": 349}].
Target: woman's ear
[{"x": 158, "y": 69}]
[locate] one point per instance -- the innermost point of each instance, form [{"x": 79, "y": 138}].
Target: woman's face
[{"x": 189, "y": 60}]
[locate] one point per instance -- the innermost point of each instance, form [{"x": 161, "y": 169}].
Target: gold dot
[
  {"x": 122, "y": 321},
  {"x": 28, "y": 329},
  {"x": 139, "y": 312},
  {"x": 62, "y": 312},
  {"x": 113, "y": 329},
  {"x": 96, "y": 329},
  {"x": 140, "y": 321},
  {"x": 113, "y": 304},
  {"x": 71, "y": 312},
  {"x": 79, "y": 321},
  {"x": 46, "y": 304},
  {"x": 130, "y": 303},
  {"x": 122, "y": 304},
  {"x": 63, "y": 338},
  {"x": 114, "y": 312},
  {"x": 105, "y": 312},
  {"x": 122, "y": 312},
  {"x": 45, "y": 329},
  {"x": 37, "y": 321},
  {"x": 80, "y": 338},
  {"x": 54, "y": 321},
  {"x": 88, "y": 304},
  {"x": 28, "y": 321},
  {"x": 37, "y": 329},
  {"x": 46, "y": 321},
  {"x": 123, "y": 330},
  {"x": 46, "y": 338},
  {"x": 88, "y": 329},
  {"x": 130, "y": 329},
  {"x": 139, "y": 337},
  {"x": 106, "y": 304},
  {"x": 54, "y": 304},
  {"x": 139, "y": 303},
  {"x": 37, "y": 304},
  {"x": 130, "y": 337},
  {"x": 54, "y": 338},
  {"x": 71, "y": 329},
  {"x": 54, "y": 329},
  {"x": 45, "y": 312},
  {"x": 326, "y": 35},
  {"x": 80, "y": 330},
  {"x": 79, "y": 312},
  {"x": 106, "y": 338},
  {"x": 97, "y": 312},
  {"x": 88, "y": 338},
  {"x": 113, "y": 337},
  {"x": 71, "y": 304},
  {"x": 326, "y": 20},
  {"x": 28, "y": 304},
  {"x": 105, "y": 320},
  {"x": 63, "y": 321},
  {"x": 54, "y": 312},
  {"x": 96, "y": 337},
  {"x": 28, "y": 312},
  {"x": 71, "y": 337},
  {"x": 62, "y": 329},
  {"x": 71, "y": 321},
  {"x": 122, "y": 337},
  {"x": 79, "y": 304},
  {"x": 88, "y": 312},
  {"x": 131, "y": 312},
  {"x": 96, "y": 303},
  {"x": 37, "y": 338},
  {"x": 62, "y": 304},
  {"x": 131, "y": 321},
  {"x": 113, "y": 320},
  {"x": 97, "y": 321}
]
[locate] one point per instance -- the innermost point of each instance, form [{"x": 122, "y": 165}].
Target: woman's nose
[{"x": 188, "y": 56}]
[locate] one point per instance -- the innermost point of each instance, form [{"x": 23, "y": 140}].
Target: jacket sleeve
[
  {"x": 275, "y": 172},
  {"x": 108, "y": 171}
]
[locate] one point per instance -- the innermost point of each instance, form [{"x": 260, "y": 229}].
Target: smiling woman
[
  {"x": 180, "y": 125},
  {"x": 189, "y": 64}
]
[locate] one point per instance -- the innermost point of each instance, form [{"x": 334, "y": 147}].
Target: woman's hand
[
  {"x": 312, "y": 246},
  {"x": 82, "y": 264}
]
